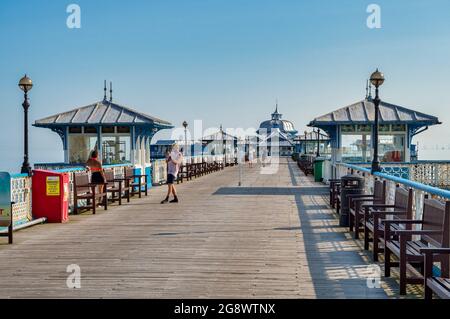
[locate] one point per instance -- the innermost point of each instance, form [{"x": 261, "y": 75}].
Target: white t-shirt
[{"x": 174, "y": 165}]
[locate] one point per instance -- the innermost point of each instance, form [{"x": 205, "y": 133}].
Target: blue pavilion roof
[
  {"x": 101, "y": 113},
  {"x": 363, "y": 112}
]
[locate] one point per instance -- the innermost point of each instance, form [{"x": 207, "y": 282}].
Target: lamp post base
[
  {"x": 376, "y": 167},
  {"x": 26, "y": 169}
]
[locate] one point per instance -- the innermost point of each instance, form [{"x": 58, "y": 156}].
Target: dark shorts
[
  {"x": 97, "y": 178},
  {"x": 171, "y": 178}
]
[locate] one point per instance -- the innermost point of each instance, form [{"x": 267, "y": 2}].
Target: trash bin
[
  {"x": 50, "y": 196},
  {"x": 350, "y": 184},
  {"x": 318, "y": 169}
]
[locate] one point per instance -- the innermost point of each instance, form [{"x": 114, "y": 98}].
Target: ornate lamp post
[
  {"x": 25, "y": 84},
  {"x": 318, "y": 142},
  {"x": 377, "y": 79},
  {"x": 185, "y": 125}
]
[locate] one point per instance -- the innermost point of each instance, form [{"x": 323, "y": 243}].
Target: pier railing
[
  {"x": 431, "y": 173},
  {"x": 21, "y": 198},
  {"x": 421, "y": 190}
]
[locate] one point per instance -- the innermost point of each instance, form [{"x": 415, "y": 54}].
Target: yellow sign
[{"x": 52, "y": 186}]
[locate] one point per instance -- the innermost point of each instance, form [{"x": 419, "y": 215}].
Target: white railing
[{"x": 21, "y": 197}]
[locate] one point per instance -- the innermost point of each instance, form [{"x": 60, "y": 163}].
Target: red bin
[{"x": 50, "y": 196}]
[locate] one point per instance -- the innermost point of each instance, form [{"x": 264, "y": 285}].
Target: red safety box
[{"x": 50, "y": 196}]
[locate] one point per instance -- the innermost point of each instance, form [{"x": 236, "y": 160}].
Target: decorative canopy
[
  {"x": 311, "y": 136},
  {"x": 100, "y": 114},
  {"x": 283, "y": 138},
  {"x": 363, "y": 112},
  {"x": 220, "y": 135},
  {"x": 276, "y": 122}
]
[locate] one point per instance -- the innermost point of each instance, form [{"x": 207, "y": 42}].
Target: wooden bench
[
  {"x": 373, "y": 214},
  {"x": 438, "y": 285},
  {"x": 182, "y": 173},
  {"x": 134, "y": 182},
  {"x": 306, "y": 165},
  {"x": 356, "y": 202},
  {"x": 83, "y": 189},
  {"x": 114, "y": 186},
  {"x": 434, "y": 233},
  {"x": 334, "y": 190},
  {"x": 7, "y": 222}
]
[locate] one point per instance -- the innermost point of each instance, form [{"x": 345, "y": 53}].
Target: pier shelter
[
  {"x": 351, "y": 129},
  {"x": 220, "y": 143},
  {"x": 276, "y": 135},
  {"x": 307, "y": 143},
  {"x": 120, "y": 134}
]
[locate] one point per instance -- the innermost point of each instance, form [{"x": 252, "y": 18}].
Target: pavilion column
[
  {"x": 66, "y": 145},
  {"x": 337, "y": 145},
  {"x": 133, "y": 145},
  {"x": 137, "y": 158},
  {"x": 99, "y": 143}
]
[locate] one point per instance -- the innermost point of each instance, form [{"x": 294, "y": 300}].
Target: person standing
[
  {"x": 250, "y": 158},
  {"x": 97, "y": 173},
  {"x": 174, "y": 161}
]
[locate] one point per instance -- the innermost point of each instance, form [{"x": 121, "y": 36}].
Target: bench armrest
[
  {"x": 438, "y": 251},
  {"x": 402, "y": 221},
  {"x": 368, "y": 199},
  {"x": 381, "y": 206},
  {"x": 378, "y": 213},
  {"x": 416, "y": 232},
  {"x": 356, "y": 196}
]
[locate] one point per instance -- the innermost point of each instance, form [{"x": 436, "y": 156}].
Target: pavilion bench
[
  {"x": 434, "y": 233},
  {"x": 356, "y": 202},
  {"x": 438, "y": 285},
  {"x": 84, "y": 190},
  {"x": 7, "y": 222},
  {"x": 190, "y": 171},
  {"x": 134, "y": 182},
  {"x": 373, "y": 214},
  {"x": 205, "y": 168},
  {"x": 182, "y": 173},
  {"x": 306, "y": 165},
  {"x": 114, "y": 186},
  {"x": 197, "y": 170}
]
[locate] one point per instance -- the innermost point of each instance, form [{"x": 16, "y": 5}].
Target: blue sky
[{"x": 222, "y": 61}]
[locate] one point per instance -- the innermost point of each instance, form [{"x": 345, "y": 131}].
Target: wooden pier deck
[{"x": 274, "y": 237}]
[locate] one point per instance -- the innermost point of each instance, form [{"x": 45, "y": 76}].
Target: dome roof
[{"x": 284, "y": 126}]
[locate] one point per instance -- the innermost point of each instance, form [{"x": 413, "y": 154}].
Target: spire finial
[
  {"x": 367, "y": 89},
  {"x": 104, "y": 90},
  {"x": 110, "y": 91},
  {"x": 276, "y": 105}
]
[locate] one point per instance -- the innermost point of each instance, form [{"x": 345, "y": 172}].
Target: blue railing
[{"x": 419, "y": 186}]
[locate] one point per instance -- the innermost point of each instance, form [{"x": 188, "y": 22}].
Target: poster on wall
[{"x": 5, "y": 197}]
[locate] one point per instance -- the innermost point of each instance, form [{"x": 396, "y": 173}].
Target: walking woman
[
  {"x": 174, "y": 161},
  {"x": 96, "y": 168},
  {"x": 250, "y": 158}
]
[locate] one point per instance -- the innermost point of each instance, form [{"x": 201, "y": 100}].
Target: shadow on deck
[{"x": 338, "y": 265}]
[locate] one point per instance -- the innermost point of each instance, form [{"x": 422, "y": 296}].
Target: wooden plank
[{"x": 273, "y": 238}]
